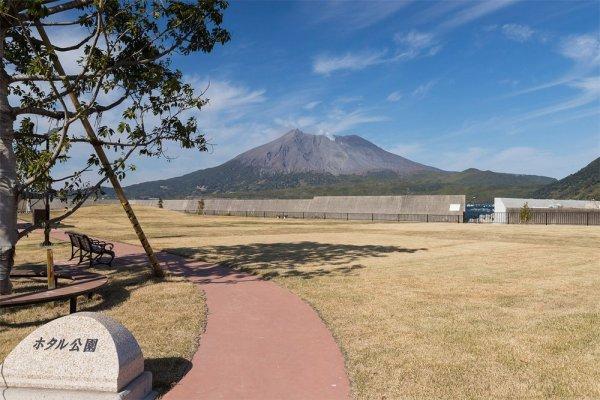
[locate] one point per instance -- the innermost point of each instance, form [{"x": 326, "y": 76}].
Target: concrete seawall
[
  {"x": 426, "y": 204},
  {"x": 332, "y": 206}
]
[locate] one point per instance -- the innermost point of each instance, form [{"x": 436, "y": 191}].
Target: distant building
[{"x": 503, "y": 204}]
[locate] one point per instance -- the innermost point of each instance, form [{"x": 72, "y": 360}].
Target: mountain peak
[
  {"x": 297, "y": 151},
  {"x": 294, "y": 132}
]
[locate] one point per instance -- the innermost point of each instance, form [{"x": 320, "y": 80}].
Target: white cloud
[
  {"x": 335, "y": 121},
  {"x": 227, "y": 97},
  {"x": 414, "y": 39},
  {"x": 326, "y": 64},
  {"x": 515, "y": 159},
  {"x": 476, "y": 11},
  {"x": 338, "y": 121},
  {"x": 589, "y": 93},
  {"x": 583, "y": 49},
  {"x": 414, "y": 44},
  {"x": 394, "y": 96},
  {"x": 422, "y": 90},
  {"x": 582, "y": 105},
  {"x": 435, "y": 11},
  {"x": 301, "y": 122},
  {"x": 355, "y": 15},
  {"x": 311, "y": 105},
  {"x": 516, "y": 32}
]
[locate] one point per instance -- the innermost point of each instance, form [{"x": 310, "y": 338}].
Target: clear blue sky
[{"x": 503, "y": 85}]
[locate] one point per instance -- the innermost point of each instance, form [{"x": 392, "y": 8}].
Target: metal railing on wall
[
  {"x": 535, "y": 218},
  {"x": 548, "y": 218},
  {"x": 456, "y": 218}
]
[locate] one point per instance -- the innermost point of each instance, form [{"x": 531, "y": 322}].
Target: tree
[
  {"x": 120, "y": 58},
  {"x": 160, "y": 202},
  {"x": 200, "y": 207},
  {"x": 525, "y": 213}
]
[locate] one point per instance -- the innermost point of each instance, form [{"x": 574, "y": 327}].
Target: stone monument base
[
  {"x": 139, "y": 389},
  {"x": 82, "y": 356}
]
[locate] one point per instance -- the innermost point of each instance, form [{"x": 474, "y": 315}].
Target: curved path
[{"x": 261, "y": 341}]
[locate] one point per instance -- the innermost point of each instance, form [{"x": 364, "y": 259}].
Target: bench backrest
[
  {"x": 73, "y": 237},
  {"x": 86, "y": 243},
  {"x": 80, "y": 240}
]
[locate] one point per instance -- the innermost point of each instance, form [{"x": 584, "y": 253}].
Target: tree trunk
[
  {"x": 156, "y": 268},
  {"x": 8, "y": 179}
]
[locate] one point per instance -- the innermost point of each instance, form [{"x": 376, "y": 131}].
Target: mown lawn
[{"x": 419, "y": 310}]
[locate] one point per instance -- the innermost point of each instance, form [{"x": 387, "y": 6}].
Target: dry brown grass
[
  {"x": 165, "y": 317},
  {"x": 419, "y": 310}
]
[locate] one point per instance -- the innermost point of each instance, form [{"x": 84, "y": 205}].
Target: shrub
[{"x": 525, "y": 213}]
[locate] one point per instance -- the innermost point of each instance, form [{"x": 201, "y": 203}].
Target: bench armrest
[{"x": 104, "y": 245}]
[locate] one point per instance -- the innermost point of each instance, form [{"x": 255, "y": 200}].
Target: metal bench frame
[{"x": 89, "y": 249}]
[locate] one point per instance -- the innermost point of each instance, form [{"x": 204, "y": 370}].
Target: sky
[{"x": 510, "y": 86}]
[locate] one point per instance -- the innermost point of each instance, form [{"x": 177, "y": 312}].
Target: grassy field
[
  {"x": 419, "y": 310},
  {"x": 165, "y": 317}
]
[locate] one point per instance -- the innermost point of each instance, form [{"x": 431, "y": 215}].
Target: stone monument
[{"x": 82, "y": 356}]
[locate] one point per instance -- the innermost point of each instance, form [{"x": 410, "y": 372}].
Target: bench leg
[
  {"x": 112, "y": 257},
  {"x": 73, "y": 305}
]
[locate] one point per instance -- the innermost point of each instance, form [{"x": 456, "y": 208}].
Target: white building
[{"x": 502, "y": 204}]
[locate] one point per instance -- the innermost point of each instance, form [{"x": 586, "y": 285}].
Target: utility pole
[{"x": 156, "y": 268}]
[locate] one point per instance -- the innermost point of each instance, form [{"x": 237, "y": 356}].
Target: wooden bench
[
  {"x": 71, "y": 291},
  {"x": 70, "y": 273},
  {"x": 90, "y": 249}
]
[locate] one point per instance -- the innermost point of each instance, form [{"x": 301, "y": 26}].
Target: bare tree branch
[
  {"x": 43, "y": 112},
  {"x": 24, "y": 16},
  {"x": 72, "y": 47},
  {"x": 44, "y": 78}
]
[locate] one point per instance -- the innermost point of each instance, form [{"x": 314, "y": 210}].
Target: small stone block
[{"x": 139, "y": 389}]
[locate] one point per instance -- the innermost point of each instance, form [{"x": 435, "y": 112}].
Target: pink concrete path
[{"x": 261, "y": 341}]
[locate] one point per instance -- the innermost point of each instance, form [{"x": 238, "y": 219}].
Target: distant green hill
[
  {"x": 483, "y": 185},
  {"x": 232, "y": 180},
  {"x": 582, "y": 185}
]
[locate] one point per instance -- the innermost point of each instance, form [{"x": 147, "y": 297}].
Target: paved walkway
[{"x": 261, "y": 341}]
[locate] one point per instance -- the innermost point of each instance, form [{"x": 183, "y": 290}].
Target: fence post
[
  {"x": 372, "y": 217},
  {"x": 587, "y": 219},
  {"x": 426, "y": 217},
  {"x": 546, "y": 217},
  {"x": 264, "y": 214},
  {"x": 302, "y": 214},
  {"x": 324, "y": 216},
  {"x": 347, "y": 216}
]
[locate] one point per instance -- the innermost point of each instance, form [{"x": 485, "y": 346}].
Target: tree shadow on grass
[
  {"x": 270, "y": 260},
  {"x": 167, "y": 371},
  {"x": 127, "y": 274}
]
